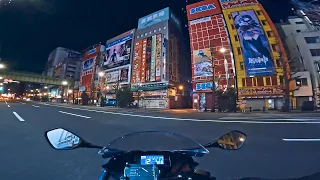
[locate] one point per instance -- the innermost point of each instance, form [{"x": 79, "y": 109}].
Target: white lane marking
[
  {"x": 23, "y": 103},
  {"x": 75, "y": 114},
  {"x": 8, "y": 105},
  {"x": 269, "y": 121},
  {"x": 35, "y": 106},
  {"x": 301, "y": 140},
  {"x": 19, "y": 117}
]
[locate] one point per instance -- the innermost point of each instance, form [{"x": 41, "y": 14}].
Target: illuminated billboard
[
  {"x": 158, "y": 57},
  {"x": 153, "y": 18},
  {"x": 203, "y": 9},
  {"x": 121, "y": 75},
  {"x": 118, "y": 53},
  {"x": 136, "y": 64},
  {"x": 87, "y": 65},
  {"x": 311, "y": 10},
  {"x": 254, "y": 43},
  {"x": 228, "y": 4},
  {"x": 202, "y": 63}
]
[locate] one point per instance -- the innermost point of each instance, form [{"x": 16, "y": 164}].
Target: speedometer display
[{"x": 152, "y": 159}]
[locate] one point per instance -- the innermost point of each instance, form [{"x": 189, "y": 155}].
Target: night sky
[{"x": 31, "y": 29}]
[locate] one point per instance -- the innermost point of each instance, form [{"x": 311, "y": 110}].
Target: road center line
[
  {"x": 23, "y": 103},
  {"x": 35, "y": 106},
  {"x": 8, "y": 105},
  {"x": 302, "y": 140},
  {"x": 19, "y": 117},
  {"x": 194, "y": 120},
  {"x": 74, "y": 114}
]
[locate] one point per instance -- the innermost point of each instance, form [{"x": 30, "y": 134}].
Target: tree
[
  {"x": 85, "y": 98},
  {"x": 124, "y": 97}
]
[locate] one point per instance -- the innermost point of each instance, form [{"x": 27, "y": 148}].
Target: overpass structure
[{"x": 32, "y": 77}]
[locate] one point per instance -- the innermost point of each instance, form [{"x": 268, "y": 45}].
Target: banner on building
[
  {"x": 148, "y": 58},
  {"x": 254, "y": 43},
  {"x": 202, "y": 63},
  {"x": 153, "y": 59},
  {"x": 136, "y": 64},
  {"x": 143, "y": 64},
  {"x": 228, "y": 4},
  {"x": 87, "y": 66},
  {"x": 158, "y": 57},
  {"x": 203, "y": 9},
  {"x": 153, "y": 18}
]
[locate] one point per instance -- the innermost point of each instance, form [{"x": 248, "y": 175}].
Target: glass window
[
  {"x": 154, "y": 31},
  {"x": 270, "y": 34},
  {"x": 137, "y": 36},
  {"x": 311, "y": 40},
  {"x": 281, "y": 80},
  {"x": 299, "y": 22},
  {"x": 315, "y": 52},
  {"x": 268, "y": 81},
  {"x": 145, "y": 34},
  {"x": 302, "y": 82},
  {"x": 159, "y": 29},
  {"x": 232, "y": 26},
  {"x": 259, "y": 12},
  {"x": 278, "y": 62},
  {"x": 241, "y": 66},
  {"x": 298, "y": 31},
  {"x": 249, "y": 82},
  {"x": 150, "y": 32},
  {"x": 239, "y": 50},
  {"x": 164, "y": 27},
  {"x": 264, "y": 22},
  {"x": 260, "y": 81},
  {"x": 236, "y": 37}
]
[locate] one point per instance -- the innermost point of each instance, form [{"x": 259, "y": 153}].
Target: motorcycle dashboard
[{"x": 149, "y": 158}]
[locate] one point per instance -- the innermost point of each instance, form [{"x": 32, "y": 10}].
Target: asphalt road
[{"x": 25, "y": 154}]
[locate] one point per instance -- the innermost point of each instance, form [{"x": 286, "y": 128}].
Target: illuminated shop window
[{"x": 244, "y": 82}]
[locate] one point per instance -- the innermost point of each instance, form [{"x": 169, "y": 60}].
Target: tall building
[
  {"x": 302, "y": 42},
  {"x": 159, "y": 53},
  {"x": 88, "y": 68},
  {"x": 211, "y": 53},
  {"x": 64, "y": 63},
  {"x": 309, "y": 11},
  {"x": 115, "y": 64},
  {"x": 259, "y": 55}
]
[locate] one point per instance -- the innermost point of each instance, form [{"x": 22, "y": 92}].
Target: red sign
[
  {"x": 228, "y": 4},
  {"x": 264, "y": 91},
  {"x": 203, "y": 9}
]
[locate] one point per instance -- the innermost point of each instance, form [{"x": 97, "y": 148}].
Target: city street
[{"x": 277, "y": 146}]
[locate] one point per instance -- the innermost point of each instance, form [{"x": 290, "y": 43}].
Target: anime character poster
[
  {"x": 254, "y": 43},
  {"x": 202, "y": 63}
]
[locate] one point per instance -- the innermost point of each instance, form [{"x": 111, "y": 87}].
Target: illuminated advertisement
[
  {"x": 203, "y": 9},
  {"x": 118, "y": 53},
  {"x": 153, "y": 59},
  {"x": 255, "y": 46},
  {"x": 148, "y": 58},
  {"x": 228, "y": 4},
  {"x": 153, "y": 18},
  {"x": 136, "y": 64},
  {"x": 158, "y": 57},
  {"x": 202, "y": 63},
  {"x": 87, "y": 65},
  {"x": 143, "y": 64},
  {"x": 121, "y": 75}
]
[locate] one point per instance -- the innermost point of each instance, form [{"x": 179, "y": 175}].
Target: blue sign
[
  {"x": 254, "y": 43},
  {"x": 91, "y": 51},
  {"x": 154, "y": 18},
  {"x": 119, "y": 41},
  {"x": 203, "y": 86},
  {"x": 202, "y": 8}
]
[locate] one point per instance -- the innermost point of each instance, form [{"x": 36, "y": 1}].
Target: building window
[
  {"x": 302, "y": 82},
  {"x": 150, "y": 32},
  {"x": 232, "y": 26},
  {"x": 241, "y": 66},
  {"x": 137, "y": 37},
  {"x": 145, "y": 34},
  {"x": 274, "y": 80},
  {"x": 268, "y": 81},
  {"x": 260, "y": 81},
  {"x": 154, "y": 31},
  {"x": 254, "y": 81},
  {"x": 270, "y": 34},
  {"x": 264, "y": 22},
  {"x": 164, "y": 27},
  {"x": 229, "y": 16},
  {"x": 298, "y": 31},
  {"x": 315, "y": 52},
  {"x": 236, "y": 38},
  {"x": 159, "y": 29},
  {"x": 311, "y": 40},
  {"x": 278, "y": 62},
  {"x": 249, "y": 82},
  {"x": 274, "y": 47},
  {"x": 318, "y": 66},
  {"x": 244, "y": 82},
  {"x": 141, "y": 35},
  {"x": 299, "y": 22},
  {"x": 259, "y": 12},
  {"x": 281, "y": 80},
  {"x": 239, "y": 50}
]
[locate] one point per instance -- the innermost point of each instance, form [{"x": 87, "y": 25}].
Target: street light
[
  {"x": 45, "y": 87},
  {"x": 2, "y": 66},
  {"x": 1, "y": 77},
  {"x": 222, "y": 50},
  {"x": 101, "y": 74},
  {"x": 64, "y": 82},
  {"x": 180, "y": 87},
  {"x": 1, "y": 84},
  {"x": 69, "y": 91},
  {"x": 31, "y": 90}
]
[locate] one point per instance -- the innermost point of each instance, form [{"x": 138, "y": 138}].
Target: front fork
[{"x": 104, "y": 175}]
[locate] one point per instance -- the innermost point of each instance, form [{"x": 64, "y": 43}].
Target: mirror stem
[{"x": 89, "y": 145}]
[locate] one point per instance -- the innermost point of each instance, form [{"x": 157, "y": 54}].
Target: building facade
[
  {"x": 259, "y": 55},
  {"x": 114, "y": 67},
  {"x": 88, "y": 68},
  {"x": 302, "y": 42},
  {"x": 211, "y": 53},
  {"x": 159, "y": 53}
]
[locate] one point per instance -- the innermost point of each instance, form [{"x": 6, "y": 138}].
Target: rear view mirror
[
  {"x": 62, "y": 139},
  {"x": 232, "y": 140}
]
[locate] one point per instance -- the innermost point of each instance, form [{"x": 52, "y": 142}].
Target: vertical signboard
[
  {"x": 203, "y": 9},
  {"x": 158, "y": 57},
  {"x": 202, "y": 63},
  {"x": 153, "y": 59},
  {"x": 228, "y": 4},
  {"x": 136, "y": 65},
  {"x": 143, "y": 63},
  {"x": 254, "y": 43},
  {"x": 148, "y": 58}
]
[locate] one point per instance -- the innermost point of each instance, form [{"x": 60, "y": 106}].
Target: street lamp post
[
  {"x": 66, "y": 83},
  {"x": 2, "y": 66}
]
